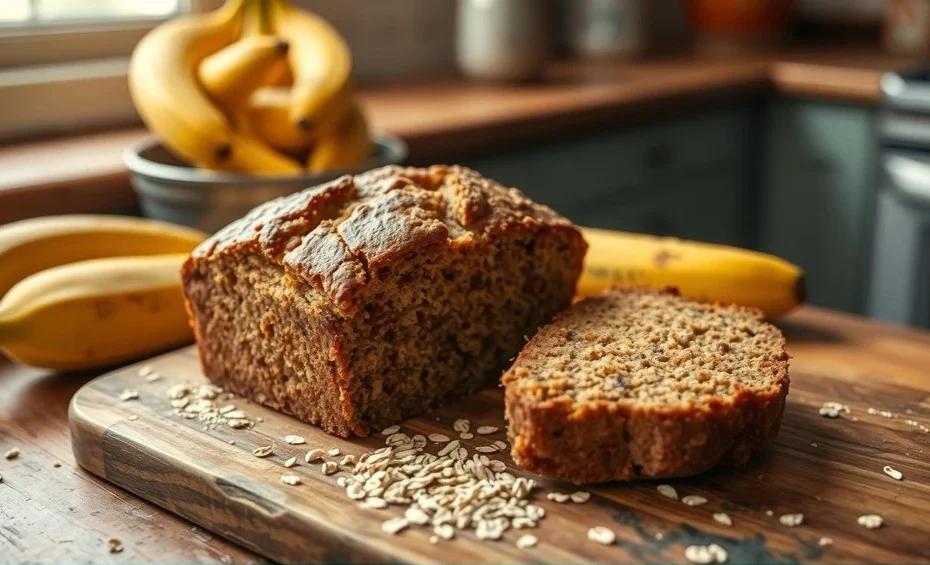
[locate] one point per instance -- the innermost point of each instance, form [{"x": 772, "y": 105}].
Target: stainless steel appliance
[{"x": 899, "y": 285}]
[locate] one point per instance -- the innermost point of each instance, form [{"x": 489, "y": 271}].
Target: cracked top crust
[{"x": 335, "y": 235}]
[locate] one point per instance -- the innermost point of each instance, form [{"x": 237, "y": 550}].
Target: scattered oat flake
[
  {"x": 580, "y": 497},
  {"x": 128, "y": 394},
  {"x": 133, "y": 418},
  {"x": 263, "y": 451},
  {"x": 11, "y": 453},
  {"x": 667, "y": 490},
  {"x": 231, "y": 442},
  {"x": 290, "y": 462},
  {"x": 444, "y": 531},
  {"x": 813, "y": 444},
  {"x": 791, "y": 520},
  {"x": 694, "y": 500},
  {"x": 466, "y": 435},
  {"x": 238, "y": 423},
  {"x": 375, "y": 503},
  {"x": 558, "y": 497},
  {"x": 602, "y": 535},
  {"x": 328, "y": 468},
  {"x": 390, "y": 430},
  {"x": 347, "y": 460},
  {"x": 527, "y": 541},
  {"x": 333, "y": 452},
  {"x": 833, "y": 409},
  {"x": 485, "y": 430},
  {"x": 871, "y": 521},
  {"x": 433, "y": 540},
  {"x": 825, "y": 541},
  {"x": 393, "y": 526},
  {"x": 893, "y": 473},
  {"x": 438, "y": 438},
  {"x": 114, "y": 545},
  {"x": 294, "y": 440},
  {"x": 501, "y": 445},
  {"x": 313, "y": 455},
  {"x": 723, "y": 518},
  {"x": 704, "y": 554},
  {"x": 461, "y": 425},
  {"x": 486, "y": 449},
  {"x": 292, "y": 480},
  {"x": 769, "y": 513}
]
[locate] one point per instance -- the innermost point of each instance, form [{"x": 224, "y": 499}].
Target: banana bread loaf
[
  {"x": 364, "y": 301},
  {"x": 644, "y": 384}
]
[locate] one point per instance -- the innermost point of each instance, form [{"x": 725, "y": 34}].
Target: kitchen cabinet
[
  {"x": 685, "y": 177},
  {"x": 818, "y": 189}
]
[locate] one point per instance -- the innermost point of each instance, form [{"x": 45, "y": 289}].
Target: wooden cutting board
[{"x": 830, "y": 470}]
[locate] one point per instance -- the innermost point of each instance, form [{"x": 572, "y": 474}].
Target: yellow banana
[
  {"x": 700, "y": 271},
  {"x": 347, "y": 147},
  {"x": 320, "y": 60},
  {"x": 231, "y": 74},
  {"x": 30, "y": 246},
  {"x": 165, "y": 89},
  {"x": 255, "y": 20},
  {"x": 267, "y": 117},
  {"x": 248, "y": 155},
  {"x": 95, "y": 313}
]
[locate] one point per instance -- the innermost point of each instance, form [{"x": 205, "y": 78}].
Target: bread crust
[{"x": 591, "y": 442}]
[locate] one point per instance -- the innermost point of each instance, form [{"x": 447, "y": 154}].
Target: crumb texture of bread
[
  {"x": 370, "y": 299},
  {"x": 645, "y": 384}
]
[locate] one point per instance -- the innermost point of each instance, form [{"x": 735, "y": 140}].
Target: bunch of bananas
[
  {"x": 257, "y": 87},
  {"x": 85, "y": 291}
]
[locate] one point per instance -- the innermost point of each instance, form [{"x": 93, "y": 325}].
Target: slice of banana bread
[
  {"x": 372, "y": 298},
  {"x": 645, "y": 384}
]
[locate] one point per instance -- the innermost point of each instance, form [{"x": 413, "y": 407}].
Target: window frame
[{"x": 67, "y": 76}]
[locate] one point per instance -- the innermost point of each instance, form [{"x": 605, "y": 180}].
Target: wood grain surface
[{"x": 828, "y": 469}]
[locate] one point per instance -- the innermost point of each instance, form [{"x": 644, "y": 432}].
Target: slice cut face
[{"x": 645, "y": 384}]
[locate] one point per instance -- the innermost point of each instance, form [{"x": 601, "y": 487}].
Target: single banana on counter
[
  {"x": 345, "y": 148},
  {"x": 165, "y": 90},
  {"x": 30, "y": 246},
  {"x": 700, "y": 271},
  {"x": 95, "y": 313},
  {"x": 231, "y": 74},
  {"x": 320, "y": 61}
]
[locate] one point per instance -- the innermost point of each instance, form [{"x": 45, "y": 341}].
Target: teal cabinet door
[
  {"x": 817, "y": 196},
  {"x": 685, "y": 177}
]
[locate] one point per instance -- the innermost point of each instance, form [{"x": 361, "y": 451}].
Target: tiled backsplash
[{"x": 393, "y": 39}]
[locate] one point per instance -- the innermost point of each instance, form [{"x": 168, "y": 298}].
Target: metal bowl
[{"x": 207, "y": 200}]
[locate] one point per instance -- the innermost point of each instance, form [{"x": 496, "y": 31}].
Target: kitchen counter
[
  {"x": 441, "y": 119},
  {"x": 52, "y": 513}
]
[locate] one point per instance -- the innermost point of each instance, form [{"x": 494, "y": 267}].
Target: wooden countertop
[
  {"x": 63, "y": 514},
  {"x": 441, "y": 119}
]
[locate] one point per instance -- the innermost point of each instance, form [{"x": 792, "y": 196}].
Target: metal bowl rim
[{"x": 394, "y": 151}]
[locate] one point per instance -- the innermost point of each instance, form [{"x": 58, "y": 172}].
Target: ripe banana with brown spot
[
  {"x": 320, "y": 62},
  {"x": 700, "y": 271},
  {"x": 95, "y": 313},
  {"x": 233, "y": 73}
]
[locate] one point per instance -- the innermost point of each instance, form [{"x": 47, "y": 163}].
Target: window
[{"x": 63, "y": 63}]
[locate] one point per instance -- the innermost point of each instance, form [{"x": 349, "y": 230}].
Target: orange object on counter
[{"x": 748, "y": 18}]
